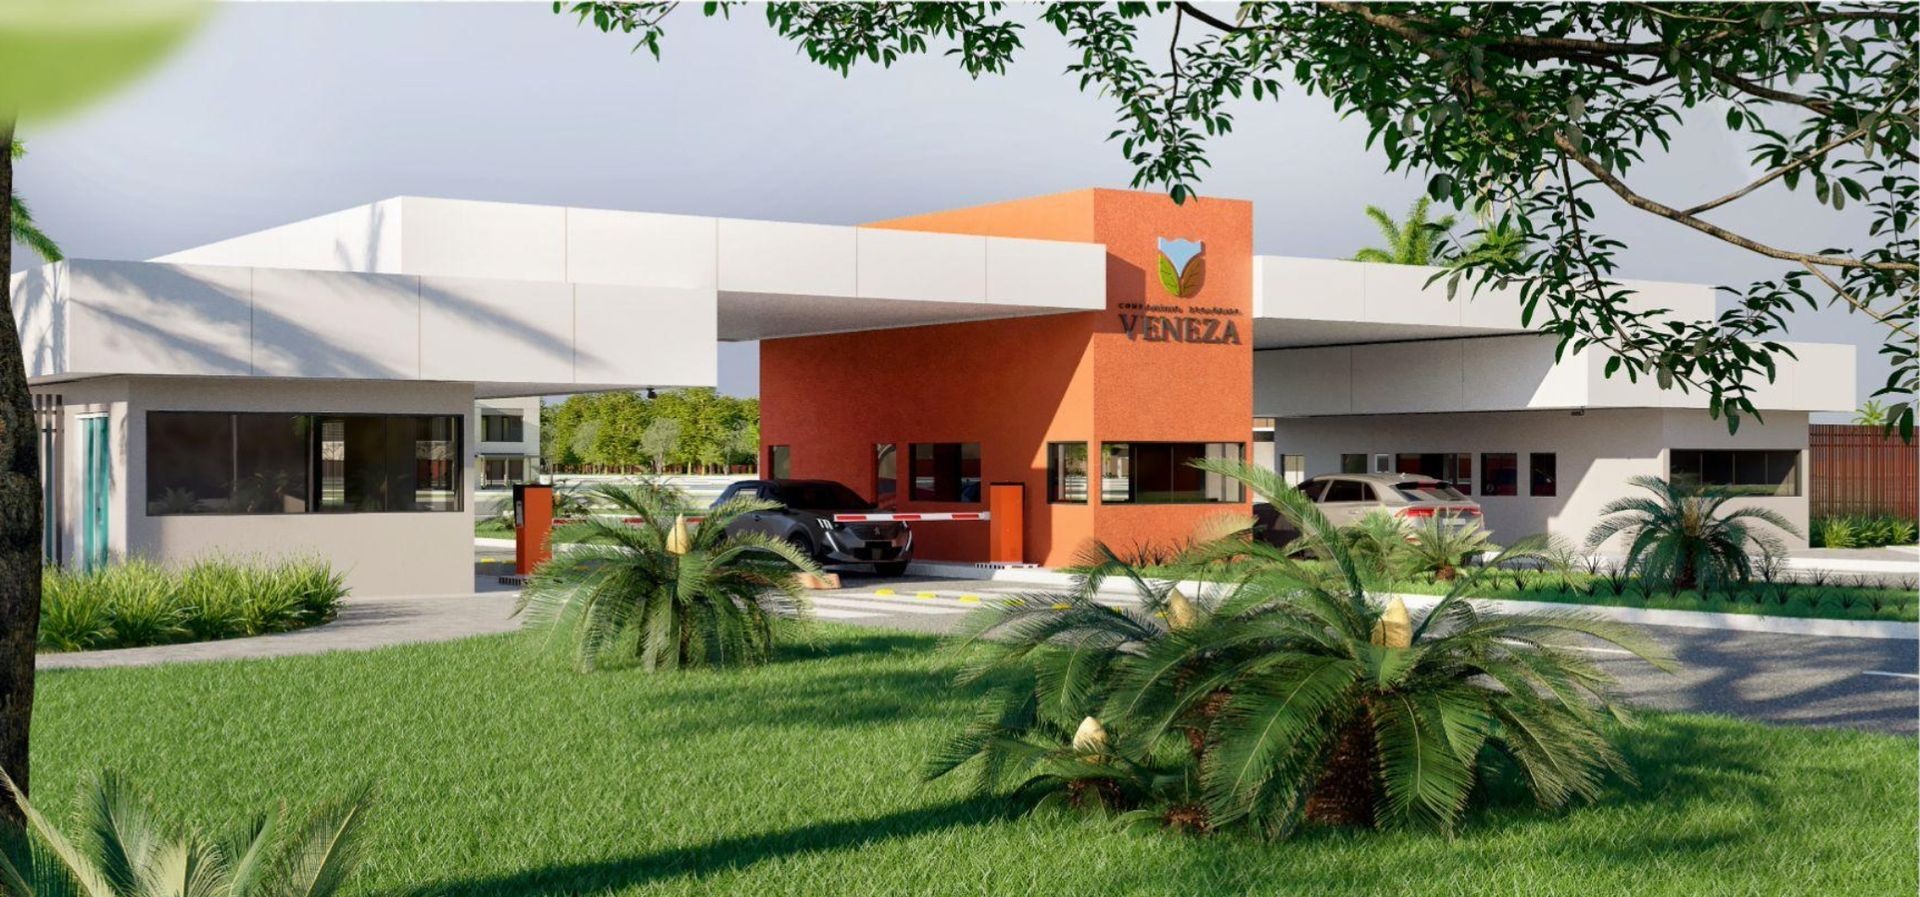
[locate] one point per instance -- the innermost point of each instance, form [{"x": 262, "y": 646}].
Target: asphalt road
[{"x": 1869, "y": 684}]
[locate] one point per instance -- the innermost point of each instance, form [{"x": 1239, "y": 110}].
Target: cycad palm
[
  {"x": 24, "y": 228},
  {"x": 684, "y": 596},
  {"x": 1409, "y": 243},
  {"x": 1680, "y": 538},
  {"x": 123, "y": 850},
  {"x": 1290, "y": 693}
]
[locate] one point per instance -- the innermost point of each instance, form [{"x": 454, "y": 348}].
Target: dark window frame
[
  {"x": 1551, "y": 487},
  {"x": 312, "y": 489},
  {"x": 1054, "y": 491},
  {"x": 1135, "y": 475},
  {"x": 1486, "y": 484},
  {"x": 779, "y": 456},
  {"x": 947, "y": 465},
  {"x": 1767, "y": 485},
  {"x": 518, "y": 427}
]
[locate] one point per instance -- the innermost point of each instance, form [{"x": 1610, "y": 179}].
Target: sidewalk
[
  {"x": 1867, "y": 629},
  {"x": 363, "y": 624}
]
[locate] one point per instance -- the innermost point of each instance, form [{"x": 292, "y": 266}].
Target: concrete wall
[
  {"x": 1507, "y": 373},
  {"x": 380, "y": 553},
  {"x": 1309, "y": 289},
  {"x": 519, "y": 242},
  {"x": 87, "y": 317},
  {"x": 1596, "y": 453}
]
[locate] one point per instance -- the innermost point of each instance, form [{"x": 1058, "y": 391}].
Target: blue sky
[{"x": 274, "y": 112}]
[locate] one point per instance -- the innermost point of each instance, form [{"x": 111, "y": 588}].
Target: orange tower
[{"x": 1163, "y": 373}]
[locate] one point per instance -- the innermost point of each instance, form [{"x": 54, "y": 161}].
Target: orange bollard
[{"x": 532, "y": 526}]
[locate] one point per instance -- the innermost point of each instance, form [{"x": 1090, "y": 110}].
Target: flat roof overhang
[{"x": 1301, "y": 302}]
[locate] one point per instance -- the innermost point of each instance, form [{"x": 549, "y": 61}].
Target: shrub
[
  {"x": 122, "y": 848},
  {"x": 72, "y": 617},
  {"x": 140, "y": 603},
  {"x": 671, "y": 595},
  {"x": 1860, "y": 531},
  {"x": 1680, "y": 537},
  {"x": 1288, "y": 694}
]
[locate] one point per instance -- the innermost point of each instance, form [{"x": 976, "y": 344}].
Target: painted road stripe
[
  {"x": 1890, "y": 675},
  {"x": 834, "y": 613},
  {"x": 888, "y": 607}
]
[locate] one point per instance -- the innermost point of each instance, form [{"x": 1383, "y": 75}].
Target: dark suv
[{"x": 805, "y": 518}]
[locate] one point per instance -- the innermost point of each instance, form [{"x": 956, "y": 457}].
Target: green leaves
[{"x": 1239, "y": 710}]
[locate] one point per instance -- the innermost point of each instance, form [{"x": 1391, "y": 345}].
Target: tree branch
[
  {"x": 1868, "y": 310},
  {"x": 1775, "y": 174},
  {"x": 1619, "y": 187}
]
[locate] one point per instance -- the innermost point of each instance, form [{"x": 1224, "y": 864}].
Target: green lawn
[{"x": 502, "y": 772}]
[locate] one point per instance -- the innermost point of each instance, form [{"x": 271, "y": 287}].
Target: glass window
[
  {"x": 1353, "y": 463},
  {"x": 270, "y": 463},
  {"x": 424, "y": 472},
  {"x": 1067, "y": 472},
  {"x": 946, "y": 471},
  {"x": 1543, "y": 473},
  {"x": 1742, "y": 471},
  {"x": 1429, "y": 490},
  {"x": 1314, "y": 489},
  {"x": 189, "y": 462},
  {"x": 886, "y": 474},
  {"x": 779, "y": 462},
  {"x": 1455, "y": 468},
  {"x": 1347, "y": 490},
  {"x": 1162, "y": 473},
  {"x": 1500, "y": 473},
  {"x": 1293, "y": 469},
  {"x": 501, "y": 426},
  {"x": 819, "y": 495}
]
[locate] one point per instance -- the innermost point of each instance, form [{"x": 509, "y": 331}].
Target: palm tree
[
  {"x": 1411, "y": 243},
  {"x": 1437, "y": 547},
  {"x": 1290, "y": 693},
  {"x": 124, "y": 851},
  {"x": 680, "y": 595},
  {"x": 24, "y": 229},
  {"x": 1680, "y": 538}
]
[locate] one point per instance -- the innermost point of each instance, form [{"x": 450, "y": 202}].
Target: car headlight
[{"x": 826, "y": 523}]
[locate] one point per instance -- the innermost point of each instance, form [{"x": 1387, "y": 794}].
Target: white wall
[
  {"x": 1335, "y": 290},
  {"x": 528, "y": 407},
  {"x": 379, "y": 553},
  {"x": 1505, "y": 373},
  {"x": 1596, "y": 453},
  {"x": 364, "y": 238},
  {"x": 519, "y": 242},
  {"x": 92, "y": 318}
]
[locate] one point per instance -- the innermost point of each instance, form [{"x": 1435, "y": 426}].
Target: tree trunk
[
  {"x": 19, "y": 516},
  {"x": 1349, "y": 787}
]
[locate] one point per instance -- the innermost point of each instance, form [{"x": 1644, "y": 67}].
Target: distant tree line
[{"x": 680, "y": 431}]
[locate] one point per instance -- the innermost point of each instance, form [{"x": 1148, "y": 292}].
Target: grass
[
  {"x": 1860, "y": 531},
  {"x": 501, "y": 772},
  {"x": 138, "y": 603}
]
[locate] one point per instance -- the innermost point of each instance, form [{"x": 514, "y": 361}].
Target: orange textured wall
[{"x": 1014, "y": 385}]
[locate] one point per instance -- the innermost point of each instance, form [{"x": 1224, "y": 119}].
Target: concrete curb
[{"x": 1866, "y": 629}]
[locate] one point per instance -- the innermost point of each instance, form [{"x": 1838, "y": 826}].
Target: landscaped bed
[
  {"x": 136, "y": 603},
  {"x": 501, "y": 771}
]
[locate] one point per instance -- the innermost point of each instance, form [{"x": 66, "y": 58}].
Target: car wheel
[
  {"x": 801, "y": 543},
  {"x": 891, "y": 568}
]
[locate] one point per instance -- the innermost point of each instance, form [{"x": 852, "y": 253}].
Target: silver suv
[{"x": 1347, "y": 497}]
